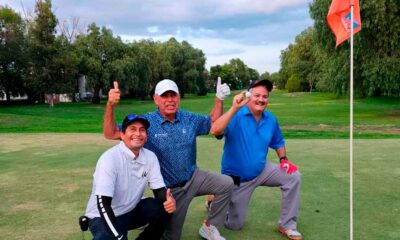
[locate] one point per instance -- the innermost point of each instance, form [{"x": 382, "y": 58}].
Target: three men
[
  {"x": 121, "y": 177},
  {"x": 172, "y": 137},
  {"x": 249, "y": 131}
]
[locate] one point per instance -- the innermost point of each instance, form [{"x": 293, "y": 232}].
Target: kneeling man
[
  {"x": 121, "y": 177},
  {"x": 249, "y": 132}
]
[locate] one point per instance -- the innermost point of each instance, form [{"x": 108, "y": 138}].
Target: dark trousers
[{"x": 148, "y": 211}]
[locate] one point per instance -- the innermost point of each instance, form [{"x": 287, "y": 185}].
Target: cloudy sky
[{"x": 253, "y": 30}]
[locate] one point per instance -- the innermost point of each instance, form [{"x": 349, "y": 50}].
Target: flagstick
[{"x": 351, "y": 117}]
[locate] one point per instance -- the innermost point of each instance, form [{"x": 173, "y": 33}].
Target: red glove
[{"x": 287, "y": 166}]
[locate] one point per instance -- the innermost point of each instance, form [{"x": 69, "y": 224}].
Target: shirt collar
[
  {"x": 246, "y": 111},
  {"x": 161, "y": 119},
  {"x": 126, "y": 152}
]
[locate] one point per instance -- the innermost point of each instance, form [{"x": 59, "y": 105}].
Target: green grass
[
  {"x": 301, "y": 115},
  {"x": 46, "y": 168},
  {"x": 45, "y": 182}
]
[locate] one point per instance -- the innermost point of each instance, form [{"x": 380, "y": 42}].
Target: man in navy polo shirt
[
  {"x": 249, "y": 132},
  {"x": 122, "y": 175},
  {"x": 172, "y": 137}
]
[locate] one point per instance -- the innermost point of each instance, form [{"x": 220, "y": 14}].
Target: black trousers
[{"x": 148, "y": 211}]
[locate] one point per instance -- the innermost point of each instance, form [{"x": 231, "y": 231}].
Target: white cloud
[
  {"x": 260, "y": 57},
  {"x": 220, "y": 51},
  {"x": 157, "y": 11},
  {"x": 253, "y": 30},
  {"x": 153, "y": 29},
  {"x": 228, "y": 7}
]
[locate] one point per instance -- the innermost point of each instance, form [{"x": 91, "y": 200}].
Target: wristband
[{"x": 282, "y": 158}]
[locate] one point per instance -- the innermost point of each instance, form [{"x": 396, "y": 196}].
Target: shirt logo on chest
[{"x": 160, "y": 135}]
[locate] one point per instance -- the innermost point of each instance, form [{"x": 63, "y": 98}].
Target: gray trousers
[
  {"x": 201, "y": 183},
  {"x": 271, "y": 176}
]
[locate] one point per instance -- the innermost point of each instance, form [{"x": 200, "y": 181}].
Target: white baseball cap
[{"x": 166, "y": 85}]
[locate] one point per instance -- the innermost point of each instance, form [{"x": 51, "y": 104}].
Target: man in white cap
[{"x": 172, "y": 137}]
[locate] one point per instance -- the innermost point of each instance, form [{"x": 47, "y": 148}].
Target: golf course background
[
  {"x": 48, "y": 155},
  {"x": 301, "y": 115}
]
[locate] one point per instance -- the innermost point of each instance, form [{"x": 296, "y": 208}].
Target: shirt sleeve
[
  {"x": 202, "y": 123},
  {"x": 108, "y": 216},
  {"x": 232, "y": 125},
  {"x": 155, "y": 178},
  {"x": 277, "y": 140},
  {"x": 105, "y": 177}
]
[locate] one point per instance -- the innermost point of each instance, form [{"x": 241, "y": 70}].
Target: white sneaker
[
  {"x": 291, "y": 234},
  {"x": 210, "y": 233}
]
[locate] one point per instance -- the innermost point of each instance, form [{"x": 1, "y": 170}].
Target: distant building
[{"x": 19, "y": 97}]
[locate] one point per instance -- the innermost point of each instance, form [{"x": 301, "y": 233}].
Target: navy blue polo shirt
[
  {"x": 174, "y": 143},
  {"x": 247, "y": 142}
]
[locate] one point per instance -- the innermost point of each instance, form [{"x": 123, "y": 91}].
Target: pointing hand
[{"x": 239, "y": 100}]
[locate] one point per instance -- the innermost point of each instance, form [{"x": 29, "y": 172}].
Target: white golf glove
[{"x": 223, "y": 90}]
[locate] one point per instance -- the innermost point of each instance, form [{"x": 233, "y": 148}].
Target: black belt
[
  {"x": 181, "y": 184},
  {"x": 236, "y": 179}
]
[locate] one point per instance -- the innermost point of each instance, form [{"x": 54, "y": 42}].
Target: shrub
[{"x": 293, "y": 84}]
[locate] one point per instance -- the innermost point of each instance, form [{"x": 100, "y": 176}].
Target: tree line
[
  {"x": 313, "y": 62},
  {"x": 35, "y": 59},
  {"x": 38, "y": 55}
]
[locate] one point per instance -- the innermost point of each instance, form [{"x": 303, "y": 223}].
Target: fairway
[
  {"x": 300, "y": 115},
  {"x": 45, "y": 182}
]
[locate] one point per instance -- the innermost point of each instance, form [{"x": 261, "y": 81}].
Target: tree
[
  {"x": 376, "y": 50},
  {"x": 139, "y": 68},
  {"x": 275, "y": 78},
  {"x": 293, "y": 84},
  {"x": 253, "y": 74},
  {"x": 97, "y": 52},
  {"x": 240, "y": 73},
  {"x": 12, "y": 53},
  {"x": 187, "y": 65},
  {"x": 265, "y": 75},
  {"x": 158, "y": 67},
  {"x": 193, "y": 69},
  {"x": 66, "y": 67},
  {"x": 215, "y": 72},
  {"x": 228, "y": 77},
  {"x": 235, "y": 73},
  {"x": 42, "y": 48},
  {"x": 70, "y": 29},
  {"x": 300, "y": 59}
]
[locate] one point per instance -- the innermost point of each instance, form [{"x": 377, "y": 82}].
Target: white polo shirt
[{"x": 124, "y": 179}]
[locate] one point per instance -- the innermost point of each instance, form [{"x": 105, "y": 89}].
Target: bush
[{"x": 293, "y": 84}]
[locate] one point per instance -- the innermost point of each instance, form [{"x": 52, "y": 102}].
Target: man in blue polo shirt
[
  {"x": 249, "y": 132},
  {"x": 172, "y": 137}
]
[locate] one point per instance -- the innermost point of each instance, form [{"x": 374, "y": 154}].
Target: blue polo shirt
[
  {"x": 174, "y": 143},
  {"x": 247, "y": 142}
]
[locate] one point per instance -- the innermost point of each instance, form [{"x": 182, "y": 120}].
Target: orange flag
[{"x": 339, "y": 16}]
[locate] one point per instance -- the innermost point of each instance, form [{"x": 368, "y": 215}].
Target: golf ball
[{"x": 247, "y": 94}]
